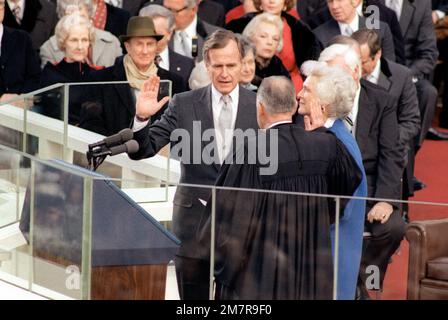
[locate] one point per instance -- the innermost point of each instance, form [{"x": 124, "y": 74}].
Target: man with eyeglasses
[{"x": 190, "y": 31}]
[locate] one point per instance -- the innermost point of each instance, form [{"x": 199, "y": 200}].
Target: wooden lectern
[{"x": 130, "y": 249}]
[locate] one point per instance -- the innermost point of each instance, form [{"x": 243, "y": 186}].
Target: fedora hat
[{"x": 140, "y": 27}]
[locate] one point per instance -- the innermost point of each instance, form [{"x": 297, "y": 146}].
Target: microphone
[
  {"x": 130, "y": 146},
  {"x": 118, "y": 138}
]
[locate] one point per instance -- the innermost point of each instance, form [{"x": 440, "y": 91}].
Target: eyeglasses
[{"x": 174, "y": 11}]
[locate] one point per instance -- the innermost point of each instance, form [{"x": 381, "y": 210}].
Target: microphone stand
[{"x": 95, "y": 158}]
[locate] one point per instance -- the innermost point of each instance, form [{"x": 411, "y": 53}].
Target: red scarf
[{"x": 100, "y": 16}]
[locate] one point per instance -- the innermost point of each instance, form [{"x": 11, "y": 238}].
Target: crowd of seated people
[{"x": 397, "y": 67}]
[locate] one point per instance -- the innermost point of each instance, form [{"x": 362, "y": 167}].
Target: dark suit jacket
[
  {"x": 203, "y": 30},
  {"x": 377, "y": 137},
  {"x": 111, "y": 108},
  {"x": 180, "y": 65},
  {"x": 19, "y": 64},
  {"x": 133, "y": 6},
  {"x": 183, "y": 110},
  {"x": 397, "y": 80},
  {"x": 228, "y": 4},
  {"x": 117, "y": 20},
  {"x": 212, "y": 12},
  {"x": 330, "y": 29},
  {"x": 386, "y": 15},
  {"x": 419, "y": 36},
  {"x": 308, "y": 8},
  {"x": 441, "y": 5},
  {"x": 39, "y": 20}
]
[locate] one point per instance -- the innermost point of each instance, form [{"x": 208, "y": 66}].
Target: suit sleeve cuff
[{"x": 139, "y": 125}]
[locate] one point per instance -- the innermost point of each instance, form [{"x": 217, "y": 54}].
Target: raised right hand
[{"x": 147, "y": 104}]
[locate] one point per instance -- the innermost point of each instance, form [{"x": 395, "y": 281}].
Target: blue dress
[{"x": 351, "y": 225}]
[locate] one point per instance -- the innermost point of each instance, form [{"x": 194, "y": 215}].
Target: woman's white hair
[
  {"x": 350, "y": 56},
  {"x": 62, "y": 30},
  {"x": 334, "y": 87},
  {"x": 253, "y": 26}
]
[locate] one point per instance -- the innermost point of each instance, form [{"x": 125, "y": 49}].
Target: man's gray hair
[
  {"x": 277, "y": 94},
  {"x": 157, "y": 11},
  {"x": 218, "y": 40},
  {"x": 350, "y": 56},
  {"x": 191, "y": 3},
  {"x": 63, "y": 5},
  {"x": 334, "y": 87}
]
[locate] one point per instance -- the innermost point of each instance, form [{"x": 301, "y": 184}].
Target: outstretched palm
[{"x": 147, "y": 104}]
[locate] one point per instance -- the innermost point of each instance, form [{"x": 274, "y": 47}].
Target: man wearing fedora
[{"x": 111, "y": 108}]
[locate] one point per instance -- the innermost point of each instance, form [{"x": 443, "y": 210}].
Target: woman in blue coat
[{"x": 326, "y": 99}]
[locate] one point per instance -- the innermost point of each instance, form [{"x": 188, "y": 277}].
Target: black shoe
[
  {"x": 433, "y": 134},
  {"x": 418, "y": 185}
]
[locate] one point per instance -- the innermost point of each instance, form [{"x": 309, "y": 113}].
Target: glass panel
[{"x": 272, "y": 245}]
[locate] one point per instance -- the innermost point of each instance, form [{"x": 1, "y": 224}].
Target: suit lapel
[
  {"x": 407, "y": 14},
  {"x": 30, "y": 13},
  {"x": 123, "y": 90},
  {"x": 384, "y": 82},
  {"x": 8, "y": 44},
  {"x": 333, "y": 30},
  {"x": 204, "y": 114},
  {"x": 365, "y": 118},
  {"x": 244, "y": 112}
]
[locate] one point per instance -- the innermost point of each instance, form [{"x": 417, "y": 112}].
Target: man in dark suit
[
  {"x": 133, "y": 6},
  {"x": 397, "y": 80},
  {"x": 221, "y": 107},
  {"x": 308, "y": 8},
  {"x": 37, "y": 17},
  {"x": 117, "y": 20},
  {"x": 166, "y": 57},
  {"x": 345, "y": 20},
  {"x": 386, "y": 15},
  {"x": 111, "y": 107},
  {"x": 212, "y": 12},
  {"x": 191, "y": 31},
  {"x": 375, "y": 127},
  {"x": 228, "y": 4},
  {"x": 421, "y": 55},
  {"x": 19, "y": 64}
]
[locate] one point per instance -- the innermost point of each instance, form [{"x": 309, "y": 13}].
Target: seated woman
[
  {"x": 265, "y": 31},
  {"x": 248, "y": 68},
  {"x": 74, "y": 35},
  {"x": 326, "y": 99},
  {"x": 111, "y": 107},
  {"x": 299, "y": 42},
  {"x": 104, "y": 49}
]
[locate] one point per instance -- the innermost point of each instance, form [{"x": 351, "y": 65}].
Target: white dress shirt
[
  {"x": 354, "y": 113},
  {"x": 1, "y": 38},
  {"x": 164, "y": 59},
  {"x": 354, "y": 25},
  {"x": 375, "y": 75},
  {"x": 396, "y": 5},
  {"x": 13, "y": 4},
  {"x": 190, "y": 33},
  {"x": 216, "y": 108}
]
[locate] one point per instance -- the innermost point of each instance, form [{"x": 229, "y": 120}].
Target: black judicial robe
[{"x": 277, "y": 246}]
